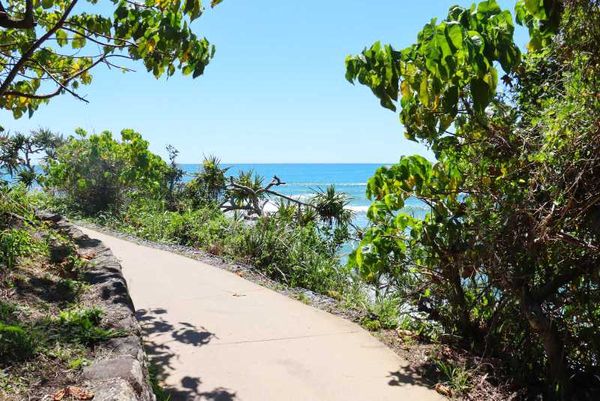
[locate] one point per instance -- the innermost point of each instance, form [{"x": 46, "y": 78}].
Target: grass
[
  {"x": 454, "y": 375},
  {"x": 81, "y": 325},
  {"x": 160, "y": 393}
]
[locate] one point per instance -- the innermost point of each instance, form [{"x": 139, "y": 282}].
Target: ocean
[{"x": 302, "y": 180}]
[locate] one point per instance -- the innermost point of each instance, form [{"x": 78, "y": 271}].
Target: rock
[
  {"x": 130, "y": 345},
  {"x": 123, "y": 367},
  {"x": 49, "y": 216},
  {"x": 114, "y": 390},
  {"x": 119, "y": 372}
]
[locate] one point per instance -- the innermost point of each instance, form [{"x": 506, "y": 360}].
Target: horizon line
[{"x": 348, "y": 163}]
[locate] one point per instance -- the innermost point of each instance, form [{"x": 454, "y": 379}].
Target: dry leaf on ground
[
  {"x": 443, "y": 390},
  {"x": 76, "y": 393}
]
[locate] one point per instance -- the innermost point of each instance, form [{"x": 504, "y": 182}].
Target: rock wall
[{"x": 119, "y": 371}]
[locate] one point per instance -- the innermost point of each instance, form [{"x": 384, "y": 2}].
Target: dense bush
[
  {"x": 98, "y": 173},
  {"x": 294, "y": 254},
  {"x": 508, "y": 256}
]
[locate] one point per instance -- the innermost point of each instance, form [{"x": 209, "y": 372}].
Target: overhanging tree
[
  {"x": 508, "y": 256},
  {"x": 51, "y": 47}
]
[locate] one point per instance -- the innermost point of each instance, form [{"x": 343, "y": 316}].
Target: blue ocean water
[{"x": 302, "y": 180}]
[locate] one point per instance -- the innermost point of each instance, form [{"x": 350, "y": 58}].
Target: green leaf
[
  {"x": 423, "y": 91},
  {"x": 78, "y": 42},
  {"x": 481, "y": 94},
  {"x": 488, "y": 7},
  {"x": 61, "y": 37},
  {"x": 455, "y": 34}
]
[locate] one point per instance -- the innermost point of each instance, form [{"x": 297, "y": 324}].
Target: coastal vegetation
[
  {"x": 502, "y": 273},
  {"x": 121, "y": 184},
  {"x": 507, "y": 258}
]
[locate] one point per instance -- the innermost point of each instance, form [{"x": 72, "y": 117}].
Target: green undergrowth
[
  {"x": 46, "y": 330},
  {"x": 294, "y": 254}
]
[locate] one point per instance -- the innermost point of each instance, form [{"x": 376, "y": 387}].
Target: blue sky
[{"x": 275, "y": 91}]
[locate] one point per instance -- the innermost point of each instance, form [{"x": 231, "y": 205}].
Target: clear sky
[{"x": 275, "y": 91}]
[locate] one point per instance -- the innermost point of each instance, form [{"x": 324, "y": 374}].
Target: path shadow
[
  {"x": 188, "y": 334},
  {"x": 86, "y": 242},
  {"x": 191, "y": 392},
  {"x": 408, "y": 376},
  {"x": 109, "y": 279},
  {"x": 152, "y": 322},
  {"x": 42, "y": 289},
  {"x": 162, "y": 356}
]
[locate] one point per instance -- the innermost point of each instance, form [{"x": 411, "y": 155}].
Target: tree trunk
[{"x": 552, "y": 342}]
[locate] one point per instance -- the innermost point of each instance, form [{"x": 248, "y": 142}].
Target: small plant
[
  {"x": 78, "y": 363},
  {"x": 70, "y": 288},
  {"x": 303, "y": 298},
  {"x": 13, "y": 244},
  {"x": 15, "y": 343},
  {"x": 7, "y": 311},
  {"x": 64, "y": 352},
  {"x": 455, "y": 376},
  {"x": 82, "y": 325},
  {"x": 160, "y": 393},
  {"x": 383, "y": 314},
  {"x": 371, "y": 324},
  {"x": 425, "y": 329}
]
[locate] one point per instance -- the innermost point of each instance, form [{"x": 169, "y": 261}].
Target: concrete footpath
[{"x": 216, "y": 336}]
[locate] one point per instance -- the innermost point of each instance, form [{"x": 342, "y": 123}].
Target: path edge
[{"x": 119, "y": 370}]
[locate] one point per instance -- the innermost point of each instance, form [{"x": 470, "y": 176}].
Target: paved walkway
[{"x": 217, "y": 336}]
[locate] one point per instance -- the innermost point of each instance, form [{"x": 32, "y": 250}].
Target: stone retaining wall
[{"x": 119, "y": 371}]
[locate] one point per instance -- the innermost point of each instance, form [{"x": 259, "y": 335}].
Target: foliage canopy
[
  {"x": 50, "y": 47},
  {"x": 508, "y": 256},
  {"x": 98, "y": 173}
]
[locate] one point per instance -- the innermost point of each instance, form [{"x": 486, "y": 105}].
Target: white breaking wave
[
  {"x": 271, "y": 207},
  {"x": 324, "y": 184}
]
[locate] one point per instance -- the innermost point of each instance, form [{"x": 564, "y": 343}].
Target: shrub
[
  {"x": 98, "y": 173},
  {"x": 507, "y": 257},
  {"x": 14, "y": 243},
  {"x": 208, "y": 185},
  {"x": 296, "y": 255}
]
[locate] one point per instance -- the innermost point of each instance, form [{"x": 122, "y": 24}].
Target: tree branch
[
  {"x": 61, "y": 86},
  {"x": 29, "y": 52},
  {"x": 26, "y": 23}
]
